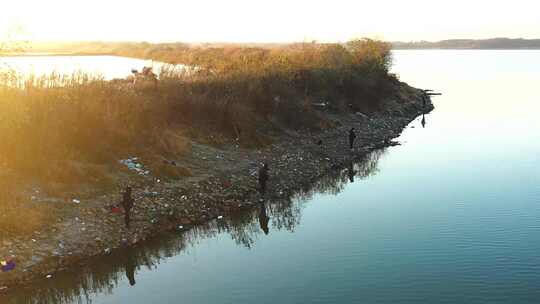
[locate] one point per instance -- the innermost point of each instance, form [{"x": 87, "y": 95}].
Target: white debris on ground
[{"x": 134, "y": 165}]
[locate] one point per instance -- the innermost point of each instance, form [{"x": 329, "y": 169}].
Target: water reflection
[
  {"x": 103, "y": 275},
  {"x": 130, "y": 267},
  {"x": 108, "y": 67},
  {"x": 264, "y": 219},
  {"x": 351, "y": 172}
]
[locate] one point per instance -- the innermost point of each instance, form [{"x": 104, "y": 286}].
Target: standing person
[
  {"x": 352, "y": 137},
  {"x": 263, "y": 178},
  {"x": 127, "y": 203}
]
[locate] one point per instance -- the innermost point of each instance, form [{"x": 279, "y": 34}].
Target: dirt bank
[{"x": 223, "y": 181}]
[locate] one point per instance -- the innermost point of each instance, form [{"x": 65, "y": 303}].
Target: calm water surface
[
  {"x": 451, "y": 216},
  {"x": 108, "y": 67}
]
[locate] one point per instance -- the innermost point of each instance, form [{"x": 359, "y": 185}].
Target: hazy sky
[{"x": 265, "y": 21}]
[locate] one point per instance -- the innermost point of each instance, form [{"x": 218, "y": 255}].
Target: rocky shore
[{"x": 224, "y": 183}]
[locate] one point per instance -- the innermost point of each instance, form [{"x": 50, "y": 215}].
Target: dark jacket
[
  {"x": 352, "y": 135},
  {"x": 127, "y": 200}
]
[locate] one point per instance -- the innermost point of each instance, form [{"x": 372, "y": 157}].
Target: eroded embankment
[{"x": 226, "y": 184}]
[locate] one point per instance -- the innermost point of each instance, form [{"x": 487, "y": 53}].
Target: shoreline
[{"x": 228, "y": 184}]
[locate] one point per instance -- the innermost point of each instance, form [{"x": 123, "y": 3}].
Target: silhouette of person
[
  {"x": 351, "y": 172},
  {"x": 263, "y": 178},
  {"x": 127, "y": 203},
  {"x": 352, "y": 137},
  {"x": 130, "y": 266},
  {"x": 264, "y": 219},
  {"x": 423, "y": 121}
]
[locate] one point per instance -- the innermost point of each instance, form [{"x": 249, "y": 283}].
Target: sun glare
[{"x": 271, "y": 21}]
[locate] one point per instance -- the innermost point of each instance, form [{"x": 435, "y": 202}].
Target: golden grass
[
  {"x": 67, "y": 133},
  {"x": 19, "y": 214}
]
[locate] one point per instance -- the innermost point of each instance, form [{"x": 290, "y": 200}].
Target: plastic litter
[
  {"x": 76, "y": 201},
  {"x": 227, "y": 184},
  {"x": 133, "y": 164},
  {"x": 7, "y": 265},
  {"x": 150, "y": 193},
  {"x": 220, "y": 217},
  {"x": 116, "y": 209},
  {"x": 49, "y": 276}
]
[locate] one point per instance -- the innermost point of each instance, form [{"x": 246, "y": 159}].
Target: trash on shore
[
  {"x": 76, "y": 201},
  {"x": 220, "y": 217},
  {"x": 116, "y": 209},
  {"x": 7, "y": 265},
  {"x": 362, "y": 114},
  {"x": 133, "y": 165},
  {"x": 150, "y": 193},
  {"x": 48, "y": 276}
]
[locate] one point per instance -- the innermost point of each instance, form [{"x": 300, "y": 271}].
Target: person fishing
[
  {"x": 263, "y": 178},
  {"x": 352, "y": 137},
  {"x": 127, "y": 203}
]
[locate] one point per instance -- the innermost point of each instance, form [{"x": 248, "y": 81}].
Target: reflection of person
[
  {"x": 263, "y": 178},
  {"x": 351, "y": 172},
  {"x": 352, "y": 137},
  {"x": 130, "y": 267},
  {"x": 423, "y": 121},
  {"x": 127, "y": 203},
  {"x": 264, "y": 219}
]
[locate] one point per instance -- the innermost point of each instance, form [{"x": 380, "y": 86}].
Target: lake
[
  {"x": 108, "y": 67},
  {"x": 450, "y": 216}
]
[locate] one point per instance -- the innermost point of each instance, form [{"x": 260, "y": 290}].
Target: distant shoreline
[
  {"x": 82, "y": 54},
  {"x": 472, "y": 44}
]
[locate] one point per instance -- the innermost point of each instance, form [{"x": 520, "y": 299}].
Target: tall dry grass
[
  {"x": 62, "y": 130},
  {"x": 233, "y": 92}
]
